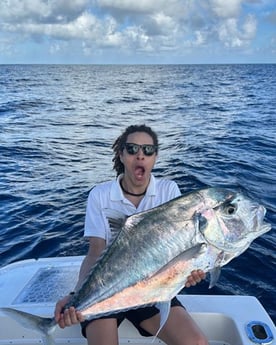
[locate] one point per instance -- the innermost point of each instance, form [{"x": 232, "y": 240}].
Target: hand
[
  {"x": 194, "y": 278},
  {"x": 69, "y": 316}
]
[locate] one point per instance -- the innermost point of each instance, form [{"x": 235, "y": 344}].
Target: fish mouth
[
  {"x": 260, "y": 225},
  {"x": 265, "y": 227}
]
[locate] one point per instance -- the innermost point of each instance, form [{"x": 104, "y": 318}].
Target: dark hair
[{"x": 119, "y": 144}]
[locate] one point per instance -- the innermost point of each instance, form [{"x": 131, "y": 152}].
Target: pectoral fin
[
  {"x": 164, "y": 308},
  {"x": 214, "y": 276}
]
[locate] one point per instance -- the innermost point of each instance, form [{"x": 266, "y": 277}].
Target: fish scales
[{"x": 146, "y": 247}]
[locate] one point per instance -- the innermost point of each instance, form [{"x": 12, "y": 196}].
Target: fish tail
[
  {"x": 44, "y": 326},
  {"x": 48, "y": 340}
]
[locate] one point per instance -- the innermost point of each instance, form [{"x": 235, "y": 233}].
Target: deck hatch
[{"x": 48, "y": 285}]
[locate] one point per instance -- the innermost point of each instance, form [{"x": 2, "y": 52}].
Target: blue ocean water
[{"x": 216, "y": 125}]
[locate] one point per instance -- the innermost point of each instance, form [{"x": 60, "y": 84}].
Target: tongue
[{"x": 139, "y": 173}]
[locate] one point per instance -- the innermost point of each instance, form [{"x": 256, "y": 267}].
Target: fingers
[
  {"x": 194, "y": 278},
  {"x": 70, "y": 317},
  {"x": 67, "y": 317},
  {"x": 59, "y": 306}
]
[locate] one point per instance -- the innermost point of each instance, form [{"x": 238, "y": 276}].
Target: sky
[{"x": 137, "y": 31}]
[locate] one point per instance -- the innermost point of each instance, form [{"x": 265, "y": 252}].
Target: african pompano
[{"x": 155, "y": 251}]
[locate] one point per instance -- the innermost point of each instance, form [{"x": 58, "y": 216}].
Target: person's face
[{"x": 138, "y": 166}]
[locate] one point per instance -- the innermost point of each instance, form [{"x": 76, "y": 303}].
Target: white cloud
[
  {"x": 136, "y": 7},
  {"x": 226, "y": 8},
  {"x": 40, "y": 11},
  {"x": 200, "y": 38},
  {"x": 228, "y": 33},
  {"x": 234, "y": 37},
  {"x": 137, "y": 38},
  {"x": 131, "y": 26},
  {"x": 249, "y": 27}
]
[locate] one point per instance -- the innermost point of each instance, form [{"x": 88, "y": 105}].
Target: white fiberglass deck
[{"x": 35, "y": 285}]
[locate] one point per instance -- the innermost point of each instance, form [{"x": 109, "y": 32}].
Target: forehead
[{"x": 139, "y": 138}]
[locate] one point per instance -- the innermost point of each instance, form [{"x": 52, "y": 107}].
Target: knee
[{"x": 102, "y": 331}]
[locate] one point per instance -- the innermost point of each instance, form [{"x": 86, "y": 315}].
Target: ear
[{"x": 121, "y": 157}]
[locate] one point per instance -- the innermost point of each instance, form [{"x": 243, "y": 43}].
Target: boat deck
[{"x": 35, "y": 285}]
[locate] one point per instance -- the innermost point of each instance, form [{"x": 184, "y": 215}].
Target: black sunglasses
[{"x": 148, "y": 149}]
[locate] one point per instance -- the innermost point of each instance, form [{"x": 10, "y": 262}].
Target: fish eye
[{"x": 230, "y": 209}]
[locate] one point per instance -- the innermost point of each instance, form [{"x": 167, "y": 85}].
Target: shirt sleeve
[
  {"x": 167, "y": 190},
  {"x": 95, "y": 222},
  {"x": 175, "y": 191}
]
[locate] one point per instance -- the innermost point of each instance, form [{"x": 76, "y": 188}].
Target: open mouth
[{"x": 139, "y": 172}]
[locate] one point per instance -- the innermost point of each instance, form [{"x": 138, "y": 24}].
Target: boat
[{"x": 34, "y": 286}]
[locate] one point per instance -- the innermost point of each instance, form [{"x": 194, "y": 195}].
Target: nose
[{"x": 140, "y": 153}]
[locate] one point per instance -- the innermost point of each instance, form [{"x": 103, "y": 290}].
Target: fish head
[{"x": 230, "y": 221}]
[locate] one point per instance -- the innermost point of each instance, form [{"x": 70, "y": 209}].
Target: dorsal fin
[{"x": 116, "y": 220}]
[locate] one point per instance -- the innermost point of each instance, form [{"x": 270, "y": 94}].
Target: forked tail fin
[{"x": 44, "y": 326}]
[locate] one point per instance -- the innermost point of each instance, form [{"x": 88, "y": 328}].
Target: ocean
[{"x": 216, "y": 126}]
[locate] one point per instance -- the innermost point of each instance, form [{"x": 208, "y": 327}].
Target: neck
[{"x": 130, "y": 193}]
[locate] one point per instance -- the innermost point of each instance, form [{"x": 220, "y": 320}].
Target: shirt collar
[{"x": 117, "y": 194}]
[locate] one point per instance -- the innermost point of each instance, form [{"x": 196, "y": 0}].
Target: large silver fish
[{"x": 155, "y": 251}]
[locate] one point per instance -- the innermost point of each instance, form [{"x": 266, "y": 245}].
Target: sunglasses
[{"x": 148, "y": 150}]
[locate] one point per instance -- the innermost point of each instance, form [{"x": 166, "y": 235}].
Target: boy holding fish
[{"x": 135, "y": 190}]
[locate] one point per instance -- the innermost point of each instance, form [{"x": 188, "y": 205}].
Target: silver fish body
[{"x": 155, "y": 251}]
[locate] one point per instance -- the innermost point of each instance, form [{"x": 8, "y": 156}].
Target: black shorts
[{"x": 135, "y": 316}]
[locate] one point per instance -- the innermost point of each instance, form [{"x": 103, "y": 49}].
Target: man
[{"x": 134, "y": 190}]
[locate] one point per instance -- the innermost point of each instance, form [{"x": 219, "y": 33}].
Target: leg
[
  {"x": 102, "y": 332},
  {"x": 179, "y": 329}
]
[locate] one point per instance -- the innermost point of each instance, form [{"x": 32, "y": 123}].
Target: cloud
[
  {"x": 226, "y": 9},
  {"x": 234, "y": 37},
  {"x": 39, "y": 11},
  {"x": 132, "y": 26}
]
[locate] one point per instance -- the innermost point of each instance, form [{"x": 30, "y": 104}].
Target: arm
[
  {"x": 96, "y": 246},
  {"x": 71, "y": 316}
]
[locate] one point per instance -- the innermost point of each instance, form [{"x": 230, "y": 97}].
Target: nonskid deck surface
[{"x": 48, "y": 285}]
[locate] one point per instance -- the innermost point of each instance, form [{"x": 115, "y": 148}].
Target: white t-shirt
[{"x": 109, "y": 195}]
